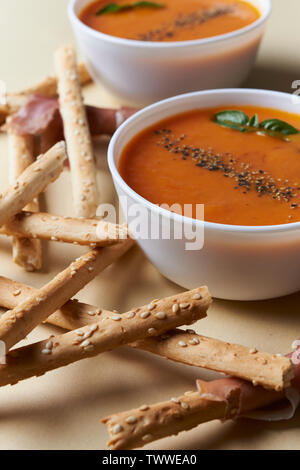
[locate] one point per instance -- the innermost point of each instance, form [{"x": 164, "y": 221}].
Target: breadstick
[
  {"x": 77, "y": 134},
  {"x": 26, "y": 253},
  {"x": 148, "y": 423},
  {"x": 71, "y": 316},
  {"x": 47, "y": 87},
  {"x": 136, "y": 428},
  {"x": 267, "y": 370},
  {"x": 64, "y": 229},
  {"x": 221, "y": 399},
  {"x": 108, "y": 333},
  {"x": 32, "y": 182},
  {"x": 17, "y": 323}
]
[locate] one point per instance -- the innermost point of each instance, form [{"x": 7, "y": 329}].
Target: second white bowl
[{"x": 145, "y": 72}]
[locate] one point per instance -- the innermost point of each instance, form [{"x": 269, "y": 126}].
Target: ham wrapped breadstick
[
  {"x": 186, "y": 347},
  {"x": 84, "y": 232},
  {"x": 17, "y": 323},
  {"x": 27, "y": 253},
  {"x": 110, "y": 332},
  {"x": 222, "y": 399},
  {"x": 32, "y": 182},
  {"x": 77, "y": 134},
  {"x": 40, "y": 116}
]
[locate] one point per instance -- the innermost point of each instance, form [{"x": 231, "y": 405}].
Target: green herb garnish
[
  {"x": 115, "y": 7},
  {"x": 238, "y": 120}
]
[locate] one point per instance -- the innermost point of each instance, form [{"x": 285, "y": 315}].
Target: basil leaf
[
  {"x": 276, "y": 125},
  {"x": 239, "y": 121},
  {"x": 115, "y": 7},
  {"x": 254, "y": 122},
  {"x": 232, "y": 119}
]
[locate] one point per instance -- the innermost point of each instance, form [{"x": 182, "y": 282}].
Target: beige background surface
[{"x": 62, "y": 409}]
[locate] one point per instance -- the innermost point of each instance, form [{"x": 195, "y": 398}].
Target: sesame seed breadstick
[
  {"x": 26, "y": 253},
  {"x": 268, "y": 370},
  {"x": 70, "y": 316},
  {"x": 17, "y": 323},
  {"x": 108, "y": 333},
  {"x": 77, "y": 134},
  {"x": 32, "y": 182},
  {"x": 136, "y": 428},
  {"x": 187, "y": 347},
  {"x": 84, "y": 232},
  {"x": 46, "y": 87}
]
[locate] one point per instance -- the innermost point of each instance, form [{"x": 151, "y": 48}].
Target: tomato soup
[
  {"x": 242, "y": 178},
  {"x": 174, "y": 20}
]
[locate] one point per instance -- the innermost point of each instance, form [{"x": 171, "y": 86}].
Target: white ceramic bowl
[
  {"x": 145, "y": 72},
  {"x": 236, "y": 262}
]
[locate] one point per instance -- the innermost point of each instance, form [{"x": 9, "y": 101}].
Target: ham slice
[
  {"x": 41, "y": 113},
  {"x": 255, "y": 402}
]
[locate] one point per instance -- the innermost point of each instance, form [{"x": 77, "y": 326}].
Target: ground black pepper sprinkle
[
  {"x": 245, "y": 177},
  {"x": 190, "y": 20}
]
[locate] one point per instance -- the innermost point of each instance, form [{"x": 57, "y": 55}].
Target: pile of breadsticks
[{"x": 260, "y": 378}]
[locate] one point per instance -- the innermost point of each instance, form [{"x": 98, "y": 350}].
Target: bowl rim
[
  {"x": 259, "y": 229},
  {"x": 171, "y": 44}
]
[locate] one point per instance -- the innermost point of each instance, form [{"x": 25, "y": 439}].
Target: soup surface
[
  {"x": 242, "y": 178},
  {"x": 177, "y": 20}
]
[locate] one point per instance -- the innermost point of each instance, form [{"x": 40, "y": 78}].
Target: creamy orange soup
[
  {"x": 241, "y": 178},
  {"x": 177, "y": 20}
]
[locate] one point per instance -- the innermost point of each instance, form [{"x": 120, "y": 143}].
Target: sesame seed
[
  {"x": 182, "y": 344},
  {"x": 80, "y": 333},
  {"x": 116, "y": 318},
  {"x": 147, "y": 438},
  {"x": 46, "y": 351},
  {"x": 254, "y": 383},
  {"x": 90, "y": 347},
  {"x": 131, "y": 420},
  {"x": 131, "y": 315},
  {"x": 145, "y": 315},
  {"x": 86, "y": 335},
  {"x": 92, "y": 314},
  {"x": 184, "y": 405},
  {"x": 94, "y": 328},
  {"x": 175, "y": 400},
  {"x": 151, "y": 306},
  {"x": 152, "y": 331},
  {"x": 197, "y": 297},
  {"x": 90, "y": 268},
  {"x": 175, "y": 308},
  {"x": 253, "y": 351},
  {"x": 144, "y": 408},
  {"x": 184, "y": 305},
  {"x": 17, "y": 292},
  {"x": 117, "y": 429},
  {"x": 49, "y": 345},
  {"x": 194, "y": 341},
  {"x": 85, "y": 343},
  {"x": 160, "y": 315}
]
